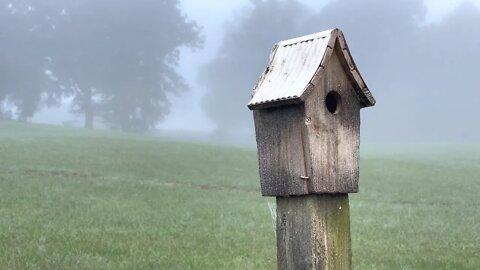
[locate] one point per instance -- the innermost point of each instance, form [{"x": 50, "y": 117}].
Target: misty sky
[{"x": 211, "y": 15}]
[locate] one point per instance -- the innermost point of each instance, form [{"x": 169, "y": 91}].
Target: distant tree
[
  {"x": 125, "y": 54},
  {"x": 26, "y": 82},
  {"x": 423, "y": 74},
  {"x": 117, "y": 58},
  {"x": 232, "y": 73},
  {"x": 383, "y": 37}
]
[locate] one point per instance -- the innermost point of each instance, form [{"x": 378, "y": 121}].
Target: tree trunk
[{"x": 88, "y": 108}]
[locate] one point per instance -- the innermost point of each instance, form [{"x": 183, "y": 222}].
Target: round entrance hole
[{"x": 333, "y": 102}]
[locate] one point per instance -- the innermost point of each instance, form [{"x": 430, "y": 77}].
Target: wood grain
[
  {"x": 280, "y": 150},
  {"x": 333, "y": 139},
  {"x": 313, "y": 232}
]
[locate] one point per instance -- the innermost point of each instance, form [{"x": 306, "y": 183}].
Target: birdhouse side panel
[
  {"x": 333, "y": 127},
  {"x": 280, "y": 143}
]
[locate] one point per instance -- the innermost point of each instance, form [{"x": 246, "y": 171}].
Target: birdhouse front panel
[{"x": 332, "y": 119}]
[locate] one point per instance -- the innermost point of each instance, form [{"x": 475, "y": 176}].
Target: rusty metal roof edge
[
  {"x": 363, "y": 91},
  {"x": 275, "y": 103},
  {"x": 313, "y": 36}
]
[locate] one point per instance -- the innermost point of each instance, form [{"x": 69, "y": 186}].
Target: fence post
[{"x": 313, "y": 232}]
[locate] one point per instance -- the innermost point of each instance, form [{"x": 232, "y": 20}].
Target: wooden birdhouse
[{"x": 306, "y": 107}]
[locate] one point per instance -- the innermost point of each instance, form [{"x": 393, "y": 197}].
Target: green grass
[{"x": 80, "y": 199}]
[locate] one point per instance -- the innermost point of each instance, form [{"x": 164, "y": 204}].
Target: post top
[{"x": 296, "y": 63}]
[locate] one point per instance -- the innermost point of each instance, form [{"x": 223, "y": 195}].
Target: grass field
[{"x": 79, "y": 199}]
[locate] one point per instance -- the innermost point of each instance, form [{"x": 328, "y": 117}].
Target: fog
[
  {"x": 420, "y": 71},
  {"x": 192, "y": 71}
]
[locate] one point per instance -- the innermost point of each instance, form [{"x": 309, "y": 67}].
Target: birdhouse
[{"x": 306, "y": 107}]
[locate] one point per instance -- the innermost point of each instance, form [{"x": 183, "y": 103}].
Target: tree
[
  {"x": 422, "y": 73},
  {"x": 118, "y": 58},
  {"x": 231, "y": 75},
  {"x": 383, "y": 37},
  {"x": 125, "y": 54},
  {"x": 25, "y": 79}
]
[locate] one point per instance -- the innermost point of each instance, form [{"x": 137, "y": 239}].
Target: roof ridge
[{"x": 306, "y": 38}]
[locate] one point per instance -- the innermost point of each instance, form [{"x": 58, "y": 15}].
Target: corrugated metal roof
[{"x": 293, "y": 65}]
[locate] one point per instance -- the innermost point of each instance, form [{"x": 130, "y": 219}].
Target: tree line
[
  {"x": 421, "y": 71},
  {"x": 115, "y": 59}
]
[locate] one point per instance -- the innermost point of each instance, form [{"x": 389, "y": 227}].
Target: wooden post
[
  {"x": 307, "y": 122},
  {"x": 313, "y": 232}
]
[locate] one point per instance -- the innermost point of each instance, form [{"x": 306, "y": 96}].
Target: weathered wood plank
[
  {"x": 313, "y": 232},
  {"x": 281, "y": 150},
  {"x": 333, "y": 138}
]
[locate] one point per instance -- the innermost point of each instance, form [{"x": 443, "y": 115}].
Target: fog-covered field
[{"x": 83, "y": 199}]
